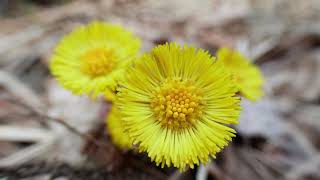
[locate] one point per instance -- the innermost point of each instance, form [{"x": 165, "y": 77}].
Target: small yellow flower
[
  {"x": 88, "y": 60},
  {"x": 116, "y": 129},
  {"x": 176, "y": 103},
  {"x": 247, "y": 75}
]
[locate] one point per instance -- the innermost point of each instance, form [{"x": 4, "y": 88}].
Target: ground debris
[
  {"x": 62, "y": 170},
  {"x": 278, "y": 137}
]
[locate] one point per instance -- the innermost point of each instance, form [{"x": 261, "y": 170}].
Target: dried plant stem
[
  {"x": 72, "y": 129},
  {"x": 43, "y": 117}
]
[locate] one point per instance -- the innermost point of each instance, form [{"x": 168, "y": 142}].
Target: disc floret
[{"x": 177, "y": 104}]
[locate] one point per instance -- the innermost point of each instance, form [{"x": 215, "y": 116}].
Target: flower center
[
  {"x": 97, "y": 62},
  {"x": 177, "y": 104}
]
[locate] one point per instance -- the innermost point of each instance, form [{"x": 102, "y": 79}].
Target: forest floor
[{"x": 48, "y": 133}]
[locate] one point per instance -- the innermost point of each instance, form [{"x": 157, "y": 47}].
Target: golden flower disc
[
  {"x": 97, "y": 62},
  {"x": 177, "y": 104}
]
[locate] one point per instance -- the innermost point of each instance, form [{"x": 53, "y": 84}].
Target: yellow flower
[
  {"x": 176, "y": 103},
  {"x": 116, "y": 129},
  {"x": 88, "y": 60},
  {"x": 247, "y": 75}
]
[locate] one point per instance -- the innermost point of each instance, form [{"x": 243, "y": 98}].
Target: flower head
[
  {"x": 247, "y": 75},
  {"x": 116, "y": 129},
  {"x": 176, "y": 103},
  {"x": 88, "y": 60}
]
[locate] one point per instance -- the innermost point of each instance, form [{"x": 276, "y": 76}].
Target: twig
[
  {"x": 21, "y": 91},
  {"x": 304, "y": 167},
  {"x": 72, "y": 129},
  {"x": 45, "y": 139},
  {"x": 43, "y": 117},
  {"x": 255, "y": 165},
  {"x": 275, "y": 165}
]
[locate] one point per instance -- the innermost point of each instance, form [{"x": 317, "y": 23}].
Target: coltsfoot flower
[
  {"x": 176, "y": 103},
  {"x": 88, "y": 60},
  {"x": 116, "y": 129},
  {"x": 247, "y": 75}
]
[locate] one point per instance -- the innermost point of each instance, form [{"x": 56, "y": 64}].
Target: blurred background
[{"x": 46, "y": 132}]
